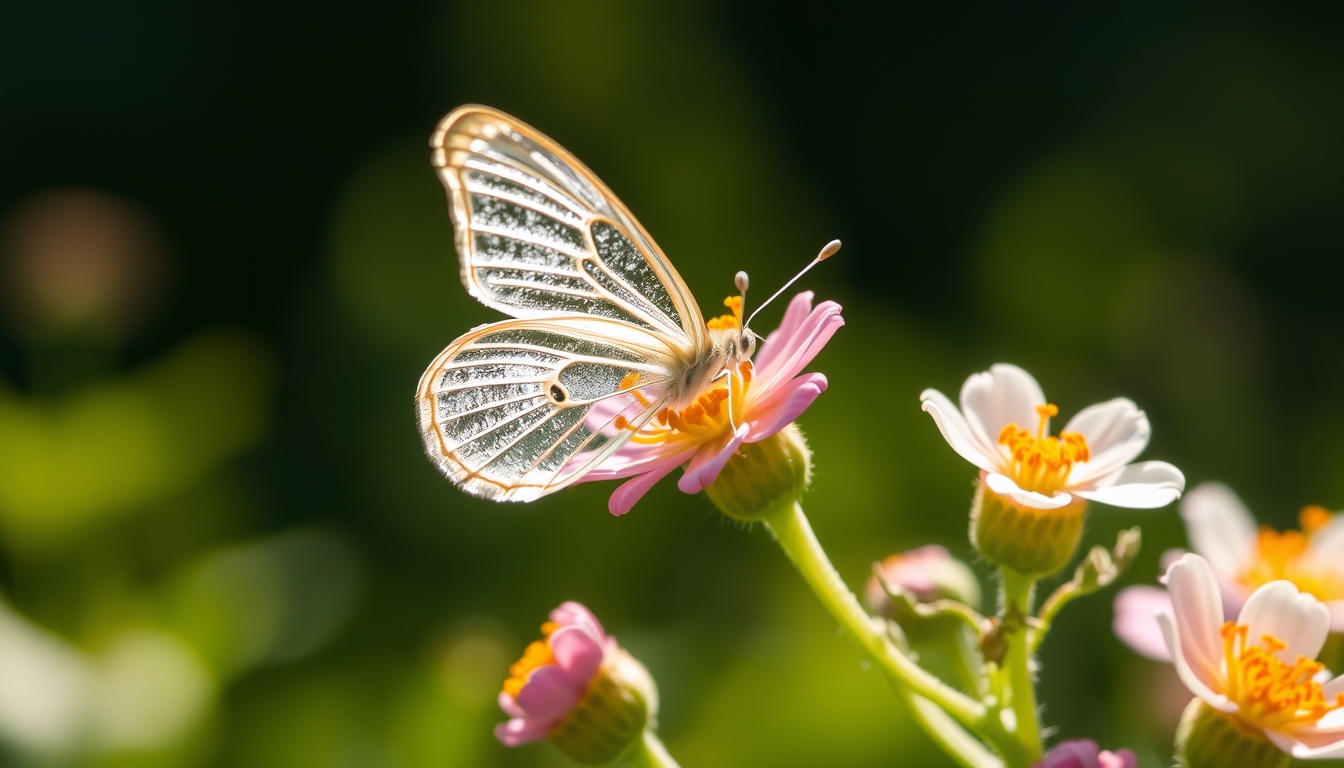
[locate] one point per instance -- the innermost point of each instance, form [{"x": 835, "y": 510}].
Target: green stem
[
  {"x": 791, "y": 529},
  {"x": 1022, "y": 689},
  {"x": 650, "y": 753}
]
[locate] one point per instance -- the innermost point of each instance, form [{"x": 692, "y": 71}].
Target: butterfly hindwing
[
  {"x": 539, "y": 235},
  {"x": 520, "y": 408}
]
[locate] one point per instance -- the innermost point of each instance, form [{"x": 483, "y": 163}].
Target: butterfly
[{"x": 604, "y": 333}]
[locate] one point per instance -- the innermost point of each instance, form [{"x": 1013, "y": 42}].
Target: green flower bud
[
  {"x": 1032, "y": 542},
  {"x": 610, "y": 719},
  {"x": 762, "y": 476},
  {"x": 1208, "y": 738}
]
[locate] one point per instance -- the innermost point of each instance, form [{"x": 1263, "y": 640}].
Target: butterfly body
[{"x": 605, "y": 336}]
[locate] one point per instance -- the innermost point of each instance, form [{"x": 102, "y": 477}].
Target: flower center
[
  {"x": 1269, "y": 692},
  {"x": 1041, "y": 462},
  {"x": 707, "y": 417},
  {"x": 1283, "y": 556},
  {"x": 538, "y": 654}
]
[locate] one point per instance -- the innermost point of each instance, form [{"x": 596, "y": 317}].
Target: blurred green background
[{"x": 226, "y": 262}]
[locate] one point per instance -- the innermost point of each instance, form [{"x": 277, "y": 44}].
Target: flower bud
[
  {"x": 1030, "y": 541},
  {"x": 580, "y": 690},
  {"x": 1209, "y": 738},
  {"x": 1084, "y": 753},
  {"x": 929, "y": 574},
  {"x": 763, "y": 475}
]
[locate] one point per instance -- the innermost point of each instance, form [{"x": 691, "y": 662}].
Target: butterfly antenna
[{"x": 827, "y": 252}]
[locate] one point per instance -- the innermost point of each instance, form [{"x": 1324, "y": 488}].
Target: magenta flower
[
  {"x": 767, "y": 397},
  {"x": 553, "y": 675},
  {"x": 1084, "y": 753}
]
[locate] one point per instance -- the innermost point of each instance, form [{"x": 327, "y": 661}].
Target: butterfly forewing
[
  {"x": 539, "y": 235},
  {"x": 519, "y": 408}
]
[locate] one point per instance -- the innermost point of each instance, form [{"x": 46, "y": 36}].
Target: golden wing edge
[
  {"x": 461, "y": 121},
  {"x": 470, "y": 481}
]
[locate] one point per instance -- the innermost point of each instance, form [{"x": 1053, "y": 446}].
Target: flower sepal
[
  {"x": 763, "y": 476},
  {"x": 609, "y": 721},
  {"x": 1209, "y": 738},
  {"x": 1028, "y": 540}
]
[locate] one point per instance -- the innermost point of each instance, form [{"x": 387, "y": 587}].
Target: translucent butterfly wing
[
  {"x": 539, "y": 235},
  {"x": 520, "y": 408}
]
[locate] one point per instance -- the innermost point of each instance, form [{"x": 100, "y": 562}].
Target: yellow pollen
[
  {"x": 1040, "y": 462},
  {"x": 705, "y": 418},
  {"x": 734, "y": 304},
  {"x": 1270, "y": 692},
  {"x": 1283, "y": 556},
  {"x": 538, "y": 654}
]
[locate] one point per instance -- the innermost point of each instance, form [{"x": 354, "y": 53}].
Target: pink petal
[
  {"x": 1135, "y": 620},
  {"x": 707, "y": 464},
  {"x": 799, "y": 308},
  {"x": 510, "y": 707},
  {"x": 1077, "y": 753},
  {"x": 1280, "y": 610},
  {"x": 637, "y": 458},
  {"x": 1116, "y": 432},
  {"x": 1192, "y": 628},
  {"x": 548, "y": 694},
  {"x": 578, "y": 652},
  {"x": 1125, "y": 758},
  {"x": 631, "y": 491},
  {"x": 1221, "y": 529},
  {"x": 799, "y": 349},
  {"x": 519, "y": 731},
  {"x": 1004, "y": 486},
  {"x": 957, "y": 432},
  {"x": 1146, "y": 485},
  {"x": 783, "y": 406},
  {"x": 573, "y": 613},
  {"x": 1309, "y": 743},
  {"x": 1001, "y": 396}
]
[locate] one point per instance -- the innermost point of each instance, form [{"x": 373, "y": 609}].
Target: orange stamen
[
  {"x": 1041, "y": 462},
  {"x": 1284, "y": 556},
  {"x": 1270, "y": 692},
  {"x": 537, "y": 654}
]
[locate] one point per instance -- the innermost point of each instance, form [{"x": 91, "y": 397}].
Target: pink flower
[
  {"x": 928, "y": 573},
  {"x": 1222, "y": 530},
  {"x": 1259, "y": 669},
  {"x": 1084, "y": 753},
  {"x": 766, "y": 397},
  {"x": 553, "y": 675}
]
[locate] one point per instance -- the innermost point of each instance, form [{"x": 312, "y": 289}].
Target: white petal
[
  {"x": 1336, "y": 608},
  {"x": 956, "y": 431},
  {"x": 1116, "y": 432},
  {"x": 1004, "y": 486},
  {"x": 1307, "y": 743},
  {"x": 1327, "y": 546},
  {"x": 1193, "y": 681},
  {"x": 1146, "y": 485},
  {"x": 1001, "y": 396},
  {"x": 1220, "y": 528},
  {"x": 1279, "y": 610},
  {"x": 1195, "y": 620}
]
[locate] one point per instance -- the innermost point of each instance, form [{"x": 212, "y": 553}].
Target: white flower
[
  {"x": 1260, "y": 668},
  {"x": 1242, "y": 557},
  {"x": 1003, "y": 428}
]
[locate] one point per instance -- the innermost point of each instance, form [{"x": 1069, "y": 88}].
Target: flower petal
[
  {"x": 510, "y": 707},
  {"x": 631, "y": 491},
  {"x": 1135, "y": 620},
  {"x": 707, "y": 464},
  {"x": 1116, "y": 432},
  {"x": 1191, "y": 628},
  {"x": 519, "y": 731},
  {"x": 783, "y": 405},
  {"x": 548, "y": 694},
  {"x": 1221, "y": 529},
  {"x": 1308, "y": 743},
  {"x": 1076, "y": 753},
  {"x": 573, "y": 613},
  {"x": 957, "y": 432},
  {"x": 1326, "y": 544},
  {"x": 1003, "y": 395},
  {"x": 800, "y": 307},
  {"x": 1280, "y": 610},
  {"x": 799, "y": 348},
  {"x": 1004, "y": 486},
  {"x": 578, "y": 652},
  {"x": 1146, "y": 485}
]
